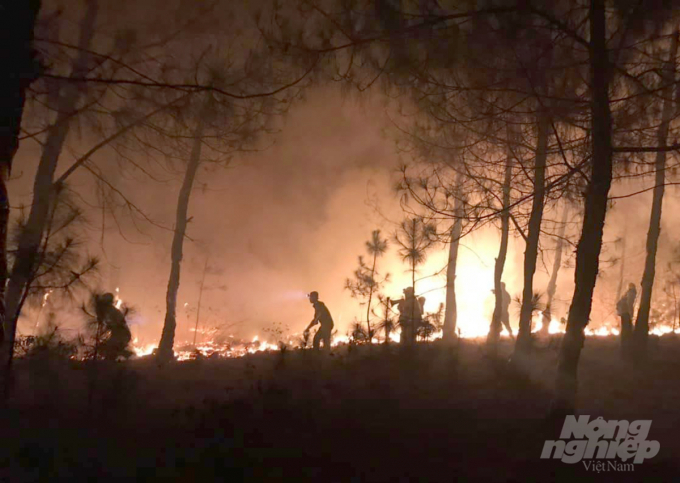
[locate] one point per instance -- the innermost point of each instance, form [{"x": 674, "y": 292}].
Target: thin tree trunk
[
  {"x": 626, "y": 327},
  {"x": 200, "y": 296},
  {"x": 407, "y": 336},
  {"x": 414, "y": 249},
  {"x": 370, "y": 299},
  {"x": 451, "y": 312},
  {"x": 495, "y": 329},
  {"x": 641, "y": 333},
  {"x": 622, "y": 267},
  {"x": 412, "y": 322},
  {"x": 557, "y": 264},
  {"x": 165, "y": 347},
  {"x": 20, "y": 69},
  {"x": 523, "y": 343},
  {"x": 595, "y": 209},
  {"x": 28, "y": 249},
  {"x": 388, "y": 327}
]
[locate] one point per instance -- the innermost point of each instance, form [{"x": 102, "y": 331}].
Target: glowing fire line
[{"x": 240, "y": 349}]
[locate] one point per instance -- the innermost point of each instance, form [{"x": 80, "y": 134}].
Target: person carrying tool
[{"x": 323, "y": 317}]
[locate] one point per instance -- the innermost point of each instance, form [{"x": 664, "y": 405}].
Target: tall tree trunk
[
  {"x": 165, "y": 347},
  {"x": 451, "y": 312},
  {"x": 523, "y": 343},
  {"x": 28, "y": 248},
  {"x": 557, "y": 264},
  {"x": 19, "y": 69},
  {"x": 641, "y": 333},
  {"x": 495, "y": 329},
  {"x": 595, "y": 209}
]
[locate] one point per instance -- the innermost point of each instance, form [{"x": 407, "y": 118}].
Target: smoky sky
[
  {"x": 278, "y": 223},
  {"x": 293, "y": 218}
]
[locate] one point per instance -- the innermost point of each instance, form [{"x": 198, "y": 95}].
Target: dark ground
[{"x": 369, "y": 414}]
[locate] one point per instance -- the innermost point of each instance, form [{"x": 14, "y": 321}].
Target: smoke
[
  {"x": 294, "y": 217},
  {"x": 294, "y": 295},
  {"x": 278, "y": 224}
]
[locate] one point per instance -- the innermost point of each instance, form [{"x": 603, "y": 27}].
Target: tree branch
[{"x": 183, "y": 87}]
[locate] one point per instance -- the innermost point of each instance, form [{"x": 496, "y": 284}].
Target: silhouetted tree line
[
  {"x": 527, "y": 106},
  {"x": 524, "y": 109}
]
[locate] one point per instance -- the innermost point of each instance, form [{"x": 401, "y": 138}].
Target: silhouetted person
[
  {"x": 321, "y": 316},
  {"x": 505, "y": 309},
  {"x": 421, "y": 301},
  {"x": 117, "y": 335},
  {"x": 625, "y": 308},
  {"x": 410, "y": 315}
]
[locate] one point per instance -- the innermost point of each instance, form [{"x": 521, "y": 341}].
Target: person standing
[
  {"x": 625, "y": 307},
  {"x": 410, "y": 315},
  {"x": 505, "y": 309},
  {"x": 323, "y": 317}
]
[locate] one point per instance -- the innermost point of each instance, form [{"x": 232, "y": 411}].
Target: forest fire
[
  {"x": 118, "y": 301},
  {"x": 217, "y": 348},
  {"x": 299, "y": 240},
  {"x": 234, "y": 349}
]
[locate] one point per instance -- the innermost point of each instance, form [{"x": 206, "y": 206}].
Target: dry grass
[{"x": 372, "y": 413}]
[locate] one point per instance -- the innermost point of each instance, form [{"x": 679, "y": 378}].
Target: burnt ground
[{"x": 361, "y": 414}]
